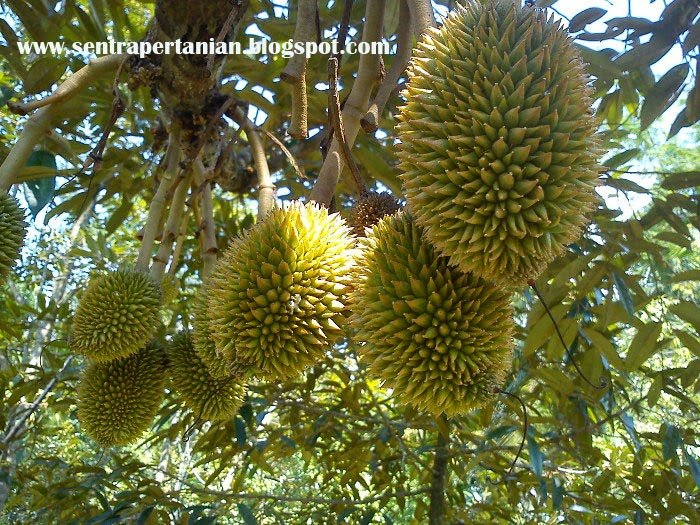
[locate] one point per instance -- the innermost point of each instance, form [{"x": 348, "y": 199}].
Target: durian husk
[
  {"x": 440, "y": 338},
  {"x": 369, "y": 209},
  {"x": 116, "y": 316},
  {"x": 12, "y": 232},
  {"x": 278, "y": 299},
  {"x": 498, "y": 149},
  {"x": 209, "y": 398},
  {"x": 202, "y": 338},
  {"x": 118, "y": 400}
]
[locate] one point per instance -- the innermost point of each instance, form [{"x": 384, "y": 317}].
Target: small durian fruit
[
  {"x": 369, "y": 209},
  {"x": 498, "y": 150},
  {"x": 209, "y": 398},
  {"x": 281, "y": 291},
  {"x": 202, "y": 338},
  {"x": 116, "y": 316},
  {"x": 170, "y": 287},
  {"x": 12, "y": 231},
  {"x": 118, "y": 400},
  {"x": 440, "y": 338}
]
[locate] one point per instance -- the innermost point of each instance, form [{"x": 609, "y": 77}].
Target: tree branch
[{"x": 436, "y": 512}]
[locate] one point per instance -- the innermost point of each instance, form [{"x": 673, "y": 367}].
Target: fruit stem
[
  {"x": 368, "y": 74},
  {"x": 155, "y": 211},
  {"x": 207, "y": 226},
  {"x": 172, "y": 227},
  {"x": 603, "y": 382},
  {"x": 522, "y": 440}
]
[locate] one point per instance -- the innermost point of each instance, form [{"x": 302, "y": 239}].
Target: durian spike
[{"x": 603, "y": 382}]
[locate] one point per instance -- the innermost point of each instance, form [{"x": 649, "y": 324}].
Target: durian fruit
[
  {"x": 209, "y": 398},
  {"x": 170, "y": 288},
  {"x": 369, "y": 209},
  {"x": 12, "y": 231},
  {"x": 498, "y": 149},
  {"x": 118, "y": 400},
  {"x": 117, "y": 315},
  {"x": 280, "y": 293},
  {"x": 440, "y": 338},
  {"x": 202, "y": 338}
]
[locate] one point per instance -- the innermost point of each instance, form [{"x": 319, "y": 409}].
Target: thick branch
[
  {"x": 355, "y": 106},
  {"x": 436, "y": 512},
  {"x": 40, "y": 123},
  {"x": 404, "y": 45},
  {"x": 422, "y": 16},
  {"x": 155, "y": 212},
  {"x": 207, "y": 226}
]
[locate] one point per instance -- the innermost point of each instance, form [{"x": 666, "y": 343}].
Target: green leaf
[
  {"x": 536, "y": 457},
  {"x": 603, "y": 345},
  {"x": 687, "y": 311},
  {"x": 694, "y": 467},
  {"x": 43, "y": 74},
  {"x": 663, "y": 94},
  {"x": 671, "y": 442},
  {"x": 642, "y": 346},
  {"x": 681, "y": 180},
  {"x": 247, "y": 514},
  {"x": 40, "y": 192},
  {"x": 624, "y": 293},
  {"x": 621, "y": 158},
  {"x": 585, "y": 17}
]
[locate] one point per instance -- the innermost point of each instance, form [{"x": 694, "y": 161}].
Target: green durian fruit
[
  {"x": 209, "y": 398},
  {"x": 12, "y": 231},
  {"x": 498, "y": 150},
  {"x": 202, "y": 338},
  {"x": 116, "y": 316},
  {"x": 440, "y": 338},
  {"x": 170, "y": 288},
  {"x": 279, "y": 295},
  {"x": 118, "y": 400},
  {"x": 369, "y": 209}
]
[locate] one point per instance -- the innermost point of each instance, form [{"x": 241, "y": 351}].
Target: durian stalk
[
  {"x": 266, "y": 189},
  {"x": 40, "y": 123},
  {"x": 294, "y": 72},
  {"x": 155, "y": 211},
  {"x": 207, "y": 226},
  {"x": 179, "y": 244},
  {"x": 355, "y": 107},
  {"x": 422, "y": 16},
  {"x": 404, "y": 38},
  {"x": 172, "y": 227}
]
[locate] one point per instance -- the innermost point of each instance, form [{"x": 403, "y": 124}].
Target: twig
[
  {"x": 525, "y": 428},
  {"x": 207, "y": 226},
  {"x": 35, "y": 405},
  {"x": 344, "y": 28},
  {"x": 40, "y": 123},
  {"x": 603, "y": 382},
  {"x": 337, "y": 122},
  {"x": 179, "y": 243},
  {"x": 287, "y": 154},
  {"x": 355, "y": 106}
]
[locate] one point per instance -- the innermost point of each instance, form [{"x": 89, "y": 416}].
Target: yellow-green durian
[
  {"x": 440, "y": 338},
  {"x": 12, "y": 231},
  {"x": 118, "y": 400},
  {"x": 202, "y": 339},
  {"x": 279, "y": 296},
  {"x": 369, "y": 209},
  {"x": 498, "y": 152},
  {"x": 209, "y": 398},
  {"x": 116, "y": 316}
]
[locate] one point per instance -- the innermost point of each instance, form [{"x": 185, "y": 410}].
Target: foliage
[{"x": 333, "y": 446}]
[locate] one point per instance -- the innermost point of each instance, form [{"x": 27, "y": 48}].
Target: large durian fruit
[
  {"x": 116, "y": 316},
  {"x": 118, "y": 400},
  {"x": 277, "y": 299},
  {"x": 369, "y": 209},
  {"x": 12, "y": 231},
  {"x": 498, "y": 150},
  {"x": 209, "y": 398},
  {"x": 440, "y": 338}
]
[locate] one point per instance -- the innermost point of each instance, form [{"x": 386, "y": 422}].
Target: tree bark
[{"x": 436, "y": 512}]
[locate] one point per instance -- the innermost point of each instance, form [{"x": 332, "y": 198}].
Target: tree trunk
[{"x": 436, "y": 513}]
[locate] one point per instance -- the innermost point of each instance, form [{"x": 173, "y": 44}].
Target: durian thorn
[
  {"x": 603, "y": 382},
  {"x": 337, "y": 122},
  {"x": 522, "y": 439}
]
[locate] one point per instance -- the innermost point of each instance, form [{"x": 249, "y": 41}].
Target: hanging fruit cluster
[{"x": 498, "y": 159}]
